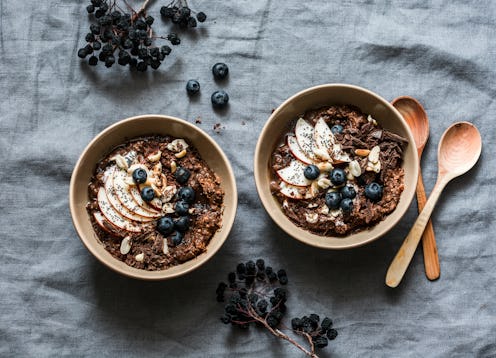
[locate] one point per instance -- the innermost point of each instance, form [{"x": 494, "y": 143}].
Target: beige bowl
[
  {"x": 119, "y": 133},
  {"x": 318, "y": 96}
]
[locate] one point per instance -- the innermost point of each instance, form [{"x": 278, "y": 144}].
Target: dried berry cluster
[
  {"x": 125, "y": 36},
  {"x": 180, "y": 14},
  {"x": 254, "y": 296}
]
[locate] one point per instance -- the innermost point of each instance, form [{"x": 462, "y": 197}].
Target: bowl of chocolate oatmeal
[
  {"x": 153, "y": 197},
  {"x": 336, "y": 166}
]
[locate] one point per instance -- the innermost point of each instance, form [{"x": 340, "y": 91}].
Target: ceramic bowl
[
  {"x": 119, "y": 133},
  {"x": 329, "y": 94}
]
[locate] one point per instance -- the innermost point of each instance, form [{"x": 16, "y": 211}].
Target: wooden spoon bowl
[{"x": 460, "y": 149}]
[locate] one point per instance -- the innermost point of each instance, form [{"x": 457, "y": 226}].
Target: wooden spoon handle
[
  {"x": 429, "y": 248},
  {"x": 405, "y": 254}
]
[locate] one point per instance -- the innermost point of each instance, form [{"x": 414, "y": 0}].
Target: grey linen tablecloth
[{"x": 57, "y": 300}]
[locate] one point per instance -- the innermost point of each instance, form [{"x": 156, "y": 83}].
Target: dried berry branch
[
  {"x": 262, "y": 301},
  {"x": 130, "y": 32}
]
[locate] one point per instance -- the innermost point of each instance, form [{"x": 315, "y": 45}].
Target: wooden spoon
[
  {"x": 414, "y": 114},
  {"x": 458, "y": 151}
]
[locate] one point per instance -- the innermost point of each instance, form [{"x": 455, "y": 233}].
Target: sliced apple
[
  {"x": 113, "y": 216},
  {"x": 291, "y": 191},
  {"x": 296, "y": 150},
  {"x": 323, "y": 137},
  {"x": 304, "y": 135},
  {"x": 296, "y": 192},
  {"x": 135, "y": 193},
  {"x": 338, "y": 155},
  {"x": 104, "y": 224},
  {"x": 294, "y": 174},
  {"x": 123, "y": 194},
  {"x": 116, "y": 203}
]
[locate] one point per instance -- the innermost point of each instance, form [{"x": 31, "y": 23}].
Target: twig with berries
[
  {"x": 255, "y": 296},
  {"x": 127, "y": 32}
]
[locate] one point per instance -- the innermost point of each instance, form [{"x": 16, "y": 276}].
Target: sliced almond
[
  {"x": 325, "y": 166},
  {"x": 374, "y": 154},
  {"x": 324, "y": 183},
  {"x": 177, "y": 145},
  {"x": 362, "y": 152},
  {"x": 140, "y": 257},
  {"x": 324, "y": 210},
  {"x": 173, "y": 166},
  {"x": 312, "y": 218},
  {"x": 125, "y": 245},
  {"x": 165, "y": 248},
  {"x": 155, "y": 156},
  {"x": 120, "y": 161},
  {"x": 376, "y": 167},
  {"x": 354, "y": 168},
  {"x": 312, "y": 205}
]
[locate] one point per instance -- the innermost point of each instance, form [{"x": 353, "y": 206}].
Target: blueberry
[
  {"x": 333, "y": 199},
  {"x": 201, "y": 16},
  {"x": 337, "y": 129},
  {"x": 373, "y": 191},
  {"x": 165, "y": 225},
  {"x": 181, "y": 208},
  {"x": 177, "y": 238},
  {"x": 311, "y": 172},
  {"x": 219, "y": 99},
  {"x": 347, "y": 205},
  {"x": 220, "y": 70},
  {"x": 139, "y": 176},
  {"x": 193, "y": 87},
  {"x": 182, "y": 224},
  {"x": 147, "y": 193},
  {"x": 187, "y": 194},
  {"x": 337, "y": 176},
  {"x": 348, "y": 191},
  {"x": 182, "y": 175}
]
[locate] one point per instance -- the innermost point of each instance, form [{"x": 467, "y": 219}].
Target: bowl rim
[
  {"x": 285, "y": 223},
  {"x": 113, "y": 262}
]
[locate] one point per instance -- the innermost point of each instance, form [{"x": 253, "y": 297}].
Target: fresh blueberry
[
  {"x": 219, "y": 99},
  {"x": 193, "y": 87},
  {"x": 333, "y": 199},
  {"x": 147, "y": 193},
  {"x": 348, "y": 191},
  {"x": 346, "y": 205},
  {"x": 182, "y": 175},
  {"x": 311, "y": 172},
  {"x": 337, "y": 176},
  {"x": 373, "y": 191},
  {"x": 187, "y": 194},
  {"x": 139, "y": 176},
  {"x": 220, "y": 70},
  {"x": 337, "y": 129},
  {"x": 165, "y": 225},
  {"x": 177, "y": 238},
  {"x": 181, "y": 207},
  {"x": 182, "y": 224}
]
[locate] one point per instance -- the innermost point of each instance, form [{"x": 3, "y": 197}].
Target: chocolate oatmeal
[
  {"x": 154, "y": 203},
  {"x": 337, "y": 171}
]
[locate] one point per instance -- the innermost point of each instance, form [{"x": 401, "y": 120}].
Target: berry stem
[
  {"x": 276, "y": 332},
  {"x": 143, "y": 7}
]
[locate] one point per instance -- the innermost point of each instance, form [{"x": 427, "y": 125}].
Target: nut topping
[{"x": 125, "y": 245}]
